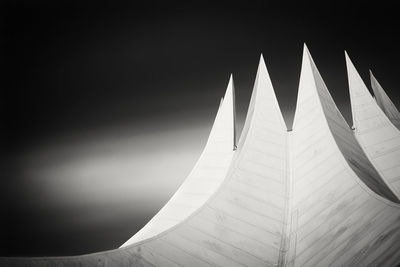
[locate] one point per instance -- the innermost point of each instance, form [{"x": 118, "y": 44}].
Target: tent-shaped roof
[{"x": 307, "y": 197}]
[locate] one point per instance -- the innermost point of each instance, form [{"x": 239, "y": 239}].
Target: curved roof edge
[
  {"x": 205, "y": 177},
  {"x": 345, "y": 140},
  {"x": 377, "y": 135}
]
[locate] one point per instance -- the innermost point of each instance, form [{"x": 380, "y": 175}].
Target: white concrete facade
[{"x": 312, "y": 196}]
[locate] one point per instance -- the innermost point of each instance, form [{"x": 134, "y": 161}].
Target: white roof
[{"x": 309, "y": 197}]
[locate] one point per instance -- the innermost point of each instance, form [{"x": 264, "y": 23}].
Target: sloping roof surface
[{"x": 310, "y": 197}]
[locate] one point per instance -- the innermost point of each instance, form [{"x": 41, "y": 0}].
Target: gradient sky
[{"x": 107, "y": 108}]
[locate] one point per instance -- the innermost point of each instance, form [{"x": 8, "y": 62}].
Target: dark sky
[{"x": 105, "y": 108}]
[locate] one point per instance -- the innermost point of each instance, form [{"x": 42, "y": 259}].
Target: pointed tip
[
  {"x": 372, "y": 80},
  {"x": 371, "y": 74},
  {"x": 262, "y": 67},
  {"x": 349, "y": 62},
  {"x": 229, "y": 92},
  {"x": 306, "y": 53},
  {"x": 227, "y": 105},
  {"x": 307, "y": 58},
  {"x": 347, "y": 58},
  {"x": 262, "y": 61},
  {"x": 230, "y": 82}
]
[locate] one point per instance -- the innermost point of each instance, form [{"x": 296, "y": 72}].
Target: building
[{"x": 321, "y": 194}]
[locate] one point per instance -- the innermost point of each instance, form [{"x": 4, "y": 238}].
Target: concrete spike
[
  {"x": 357, "y": 88},
  {"x": 378, "y": 137},
  {"x": 263, "y": 101},
  {"x": 384, "y": 102},
  {"x": 197, "y": 187}
]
